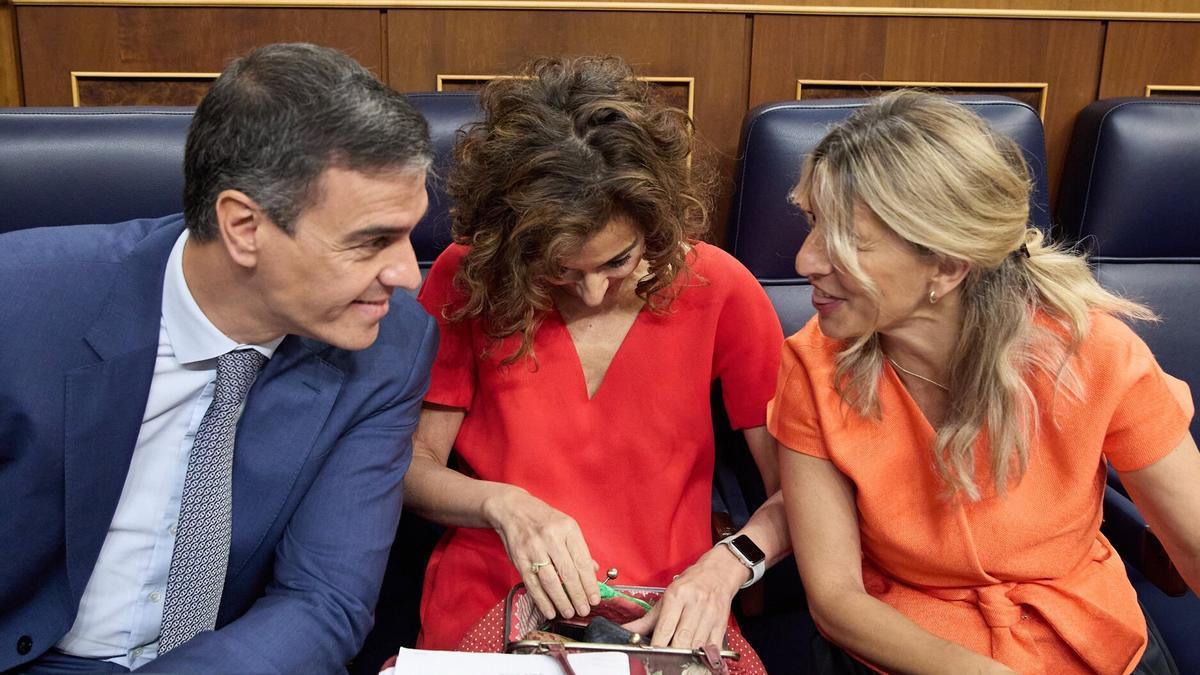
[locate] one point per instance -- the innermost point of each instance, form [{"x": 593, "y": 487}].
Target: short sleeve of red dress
[
  {"x": 452, "y": 380},
  {"x": 746, "y": 344},
  {"x": 1151, "y": 409}
]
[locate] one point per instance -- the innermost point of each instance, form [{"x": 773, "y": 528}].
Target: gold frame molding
[
  {"x": 1152, "y": 89},
  {"x": 1043, "y": 88},
  {"x": 659, "y": 6},
  {"x": 653, "y": 79},
  {"x": 77, "y": 75}
]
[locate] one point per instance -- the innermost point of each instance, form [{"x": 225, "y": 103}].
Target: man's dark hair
[{"x": 281, "y": 115}]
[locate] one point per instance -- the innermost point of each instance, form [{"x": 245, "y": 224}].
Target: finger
[
  {"x": 668, "y": 621},
  {"x": 717, "y": 635},
  {"x": 533, "y": 586},
  {"x": 645, "y": 624},
  {"x": 709, "y": 630},
  {"x": 586, "y": 568},
  {"x": 687, "y": 629},
  {"x": 570, "y": 581},
  {"x": 552, "y": 585}
]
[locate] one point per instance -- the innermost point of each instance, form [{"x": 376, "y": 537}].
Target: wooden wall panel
[
  {"x": 1064, "y": 54},
  {"x": 712, "y": 48},
  {"x": 1138, "y": 54},
  {"x": 10, "y": 78},
  {"x": 55, "y": 41}
]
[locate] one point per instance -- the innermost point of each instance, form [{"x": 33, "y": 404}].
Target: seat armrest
[{"x": 1138, "y": 545}]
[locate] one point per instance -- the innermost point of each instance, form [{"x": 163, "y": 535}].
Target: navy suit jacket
[{"x": 320, "y": 455}]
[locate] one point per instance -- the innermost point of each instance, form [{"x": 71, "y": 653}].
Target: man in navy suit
[{"x": 233, "y": 389}]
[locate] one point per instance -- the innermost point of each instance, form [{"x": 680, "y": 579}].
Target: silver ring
[{"x": 534, "y": 567}]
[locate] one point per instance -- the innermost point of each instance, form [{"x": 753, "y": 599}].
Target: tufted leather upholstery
[
  {"x": 1131, "y": 194},
  {"x": 65, "y": 166}
]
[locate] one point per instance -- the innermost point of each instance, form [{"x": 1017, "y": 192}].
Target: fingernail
[{"x": 594, "y": 598}]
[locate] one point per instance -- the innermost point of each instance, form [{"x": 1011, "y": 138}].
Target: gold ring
[{"x": 534, "y": 567}]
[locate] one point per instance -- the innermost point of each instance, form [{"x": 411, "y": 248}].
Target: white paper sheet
[{"x": 425, "y": 661}]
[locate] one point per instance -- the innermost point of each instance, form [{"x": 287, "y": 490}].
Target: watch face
[{"x": 748, "y": 548}]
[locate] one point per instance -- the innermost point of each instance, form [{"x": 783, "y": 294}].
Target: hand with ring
[{"x": 548, "y": 550}]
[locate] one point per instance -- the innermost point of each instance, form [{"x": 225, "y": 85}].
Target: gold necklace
[{"x": 906, "y": 371}]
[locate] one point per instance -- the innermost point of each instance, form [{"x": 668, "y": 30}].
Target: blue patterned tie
[{"x": 197, "y": 576}]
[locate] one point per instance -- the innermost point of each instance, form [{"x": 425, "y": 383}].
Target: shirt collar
[{"x": 193, "y": 337}]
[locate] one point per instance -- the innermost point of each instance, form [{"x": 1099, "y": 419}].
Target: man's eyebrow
[{"x": 374, "y": 231}]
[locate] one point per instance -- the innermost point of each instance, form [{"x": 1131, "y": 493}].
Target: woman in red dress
[{"x": 583, "y": 324}]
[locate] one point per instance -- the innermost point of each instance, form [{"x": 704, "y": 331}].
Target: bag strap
[
  {"x": 560, "y": 654},
  {"x": 714, "y": 662}
]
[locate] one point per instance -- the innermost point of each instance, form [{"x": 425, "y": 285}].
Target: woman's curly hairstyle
[{"x": 565, "y": 147}]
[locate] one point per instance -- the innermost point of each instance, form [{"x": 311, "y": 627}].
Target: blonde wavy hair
[{"x": 941, "y": 179}]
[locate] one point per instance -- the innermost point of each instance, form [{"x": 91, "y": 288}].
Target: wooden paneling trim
[
  {"x": 10, "y": 66},
  {"x": 625, "y": 6},
  {"x": 1063, "y": 54},
  {"x": 1143, "y": 55},
  {"x": 453, "y": 82},
  {"x": 854, "y": 88},
  {"x": 58, "y": 41},
  {"x": 1172, "y": 90},
  {"x": 83, "y": 77}
]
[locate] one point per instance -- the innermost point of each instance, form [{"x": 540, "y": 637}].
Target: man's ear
[
  {"x": 949, "y": 275},
  {"x": 238, "y": 221}
]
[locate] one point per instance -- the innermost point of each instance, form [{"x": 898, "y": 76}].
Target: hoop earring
[{"x": 932, "y": 297}]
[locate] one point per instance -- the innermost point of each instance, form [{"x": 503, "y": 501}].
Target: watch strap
[{"x": 756, "y": 568}]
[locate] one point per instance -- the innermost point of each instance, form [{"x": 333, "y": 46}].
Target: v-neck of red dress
[{"x": 558, "y": 325}]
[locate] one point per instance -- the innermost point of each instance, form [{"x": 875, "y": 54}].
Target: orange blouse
[{"x": 1027, "y": 578}]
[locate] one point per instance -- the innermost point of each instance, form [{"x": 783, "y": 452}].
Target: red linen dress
[
  {"x": 1027, "y": 579},
  {"x": 633, "y": 465}
]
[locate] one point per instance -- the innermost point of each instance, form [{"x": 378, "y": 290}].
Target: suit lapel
[
  {"x": 285, "y": 411},
  {"x": 105, "y": 401}
]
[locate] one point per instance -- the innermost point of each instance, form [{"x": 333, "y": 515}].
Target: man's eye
[
  {"x": 378, "y": 243},
  {"x": 619, "y": 262}
]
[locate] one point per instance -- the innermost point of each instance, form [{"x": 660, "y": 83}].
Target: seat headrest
[
  {"x": 765, "y": 231},
  {"x": 1131, "y": 186},
  {"x": 66, "y": 166}
]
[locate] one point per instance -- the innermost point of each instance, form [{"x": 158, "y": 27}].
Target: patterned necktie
[{"x": 197, "y": 575}]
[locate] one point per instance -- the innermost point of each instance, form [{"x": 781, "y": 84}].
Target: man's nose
[{"x": 402, "y": 269}]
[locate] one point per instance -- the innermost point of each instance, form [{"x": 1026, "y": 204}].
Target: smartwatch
[{"x": 748, "y": 553}]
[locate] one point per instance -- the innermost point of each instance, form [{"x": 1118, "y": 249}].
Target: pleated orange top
[{"x": 1026, "y": 578}]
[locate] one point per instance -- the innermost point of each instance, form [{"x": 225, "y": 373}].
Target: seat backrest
[
  {"x": 65, "y": 166},
  {"x": 1131, "y": 194}
]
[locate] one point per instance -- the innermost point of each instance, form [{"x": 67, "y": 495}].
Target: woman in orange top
[{"x": 951, "y": 409}]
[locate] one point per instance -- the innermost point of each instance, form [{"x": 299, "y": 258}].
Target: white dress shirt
[{"x": 120, "y": 613}]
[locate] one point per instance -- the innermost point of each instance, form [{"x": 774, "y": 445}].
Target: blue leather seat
[
  {"x": 1131, "y": 195},
  {"x": 66, "y": 166},
  {"x": 765, "y": 232}
]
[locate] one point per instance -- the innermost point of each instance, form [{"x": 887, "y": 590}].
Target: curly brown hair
[{"x": 565, "y": 147}]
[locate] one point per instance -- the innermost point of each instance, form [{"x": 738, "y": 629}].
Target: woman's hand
[
  {"x": 694, "y": 610},
  {"x": 548, "y": 550}
]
